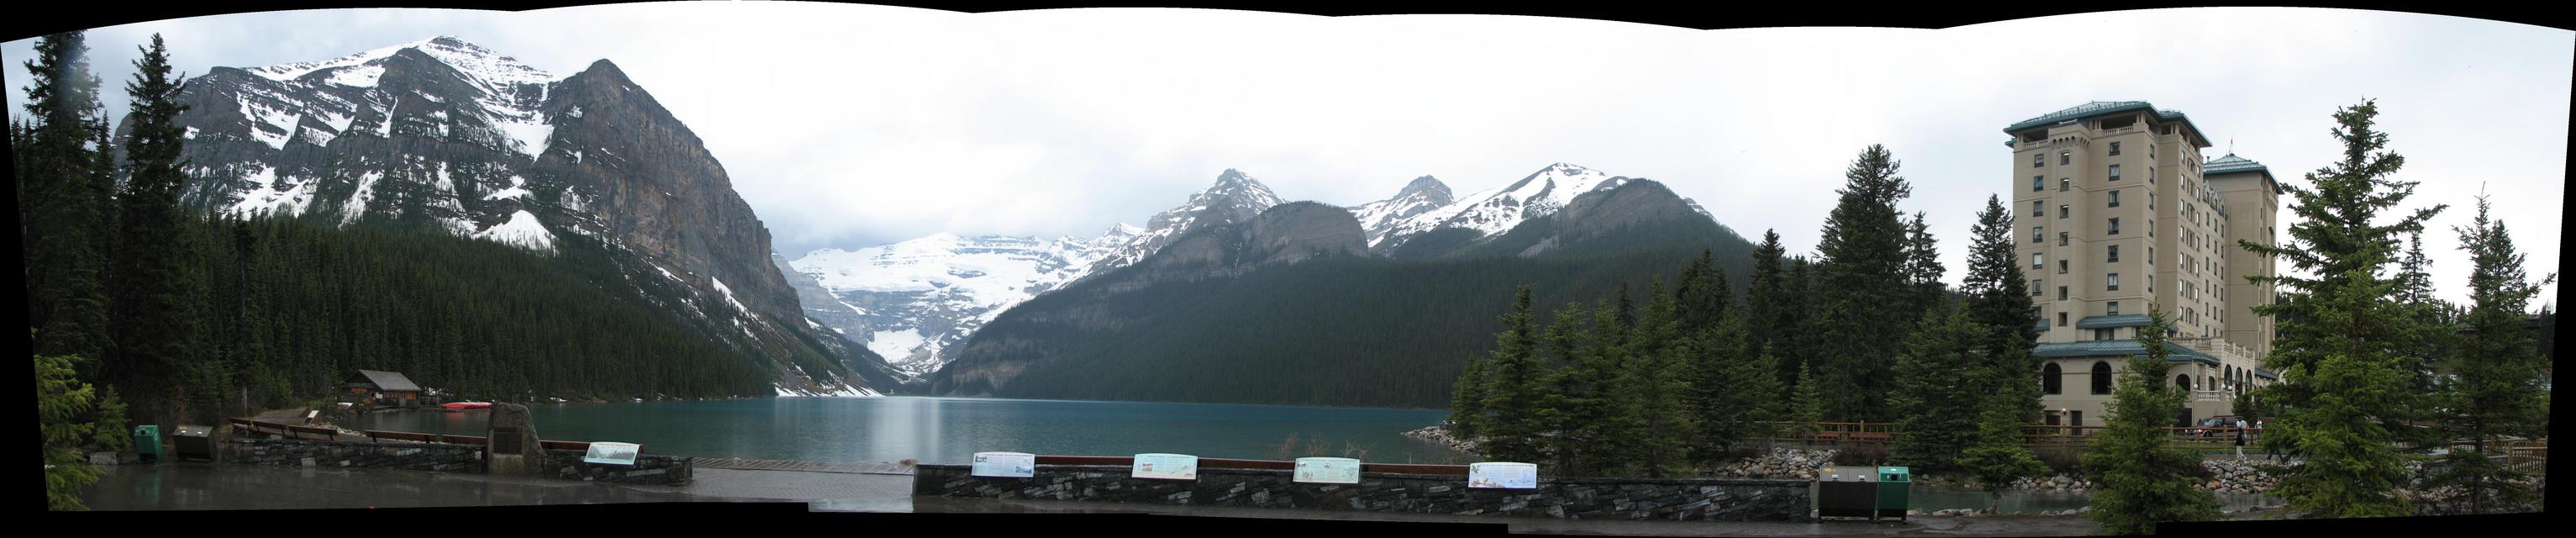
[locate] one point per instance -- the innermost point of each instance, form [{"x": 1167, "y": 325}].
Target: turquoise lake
[{"x": 951, "y": 430}]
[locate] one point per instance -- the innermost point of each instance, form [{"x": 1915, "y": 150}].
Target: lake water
[{"x": 951, "y": 430}]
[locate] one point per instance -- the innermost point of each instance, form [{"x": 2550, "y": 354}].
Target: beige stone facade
[{"x": 2117, "y": 213}]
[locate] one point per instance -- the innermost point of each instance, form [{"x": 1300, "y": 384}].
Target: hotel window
[
  {"x": 2053, "y": 381},
  {"x": 2065, "y": 184},
  {"x": 2037, "y": 289},
  {"x": 2061, "y": 318},
  {"x": 2035, "y": 235},
  {"x": 2038, "y": 208},
  {"x": 2115, "y": 226},
  {"x": 2063, "y": 211},
  {"x": 2115, "y": 253},
  {"x": 2114, "y": 308},
  {"x": 2035, "y": 263},
  {"x": 2115, "y": 149},
  {"x": 2114, "y": 281},
  {"x": 2115, "y": 172},
  {"x": 2037, "y": 159},
  {"x": 2102, "y": 334},
  {"x": 2065, "y": 157},
  {"x": 2061, "y": 267},
  {"x": 2115, "y": 198},
  {"x": 2101, "y": 381},
  {"x": 2061, "y": 238},
  {"x": 2061, "y": 293},
  {"x": 2037, "y": 183}
]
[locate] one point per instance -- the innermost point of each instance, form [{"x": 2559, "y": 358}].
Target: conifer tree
[
  {"x": 1999, "y": 301},
  {"x": 61, "y": 401},
  {"x": 1574, "y": 396},
  {"x": 1767, "y": 302},
  {"x": 1608, "y": 428},
  {"x": 1657, "y": 385},
  {"x": 1514, "y": 396},
  {"x": 2345, "y": 338},
  {"x": 1923, "y": 267},
  {"x": 155, "y": 325},
  {"x": 1467, "y": 402},
  {"x": 2141, "y": 481},
  {"x": 1939, "y": 389},
  {"x": 1806, "y": 403},
  {"x": 1860, "y": 278},
  {"x": 61, "y": 209},
  {"x": 2498, "y": 374},
  {"x": 1736, "y": 395}
]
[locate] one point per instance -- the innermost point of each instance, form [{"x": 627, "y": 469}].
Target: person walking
[{"x": 2240, "y": 439}]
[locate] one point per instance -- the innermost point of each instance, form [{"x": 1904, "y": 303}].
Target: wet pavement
[{"x": 208, "y": 486}]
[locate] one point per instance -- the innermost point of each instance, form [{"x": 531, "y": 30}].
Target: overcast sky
[{"x": 849, "y": 126}]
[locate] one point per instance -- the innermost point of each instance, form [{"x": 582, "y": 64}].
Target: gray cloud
[{"x": 850, "y": 125}]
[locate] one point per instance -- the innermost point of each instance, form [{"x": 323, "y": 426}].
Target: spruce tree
[
  {"x": 1518, "y": 380},
  {"x": 1923, "y": 268},
  {"x": 1467, "y": 401},
  {"x": 1767, "y": 302},
  {"x": 1569, "y": 403},
  {"x": 2497, "y": 377},
  {"x": 1999, "y": 300},
  {"x": 155, "y": 324},
  {"x": 1608, "y": 428},
  {"x": 1736, "y": 395},
  {"x": 62, "y": 400},
  {"x": 60, "y": 208},
  {"x": 2345, "y": 338},
  {"x": 1997, "y": 459},
  {"x": 1861, "y": 277},
  {"x": 1939, "y": 389},
  {"x": 1657, "y": 386},
  {"x": 2141, "y": 481},
  {"x": 1806, "y": 403}
]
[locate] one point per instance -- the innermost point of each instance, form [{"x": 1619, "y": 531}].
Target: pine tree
[
  {"x": 60, "y": 210},
  {"x": 1861, "y": 276},
  {"x": 1736, "y": 395},
  {"x": 1999, "y": 301},
  {"x": 1513, "y": 433},
  {"x": 1658, "y": 385},
  {"x": 1997, "y": 459},
  {"x": 1467, "y": 402},
  {"x": 1806, "y": 403},
  {"x": 1939, "y": 389},
  {"x": 155, "y": 325},
  {"x": 1609, "y": 427},
  {"x": 1923, "y": 268},
  {"x": 1766, "y": 300},
  {"x": 2140, "y": 481},
  {"x": 1570, "y": 403},
  {"x": 2345, "y": 338},
  {"x": 2497, "y": 377}
]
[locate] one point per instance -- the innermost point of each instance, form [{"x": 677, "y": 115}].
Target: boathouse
[{"x": 381, "y": 388}]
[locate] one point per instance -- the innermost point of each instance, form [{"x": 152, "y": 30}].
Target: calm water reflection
[{"x": 951, "y": 430}]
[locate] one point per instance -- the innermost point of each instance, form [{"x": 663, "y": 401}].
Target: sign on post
[
  {"x": 1006, "y": 464},
  {"x": 1328, "y": 470},
  {"x": 613, "y": 453},
  {"x": 1166, "y": 466},
  {"x": 1504, "y": 475}
]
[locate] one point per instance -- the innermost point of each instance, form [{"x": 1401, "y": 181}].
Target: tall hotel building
[{"x": 2119, "y": 214}]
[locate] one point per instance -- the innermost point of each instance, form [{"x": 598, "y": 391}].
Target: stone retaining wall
[
  {"x": 304, "y": 453},
  {"x": 1580, "y": 498},
  {"x": 648, "y": 469}
]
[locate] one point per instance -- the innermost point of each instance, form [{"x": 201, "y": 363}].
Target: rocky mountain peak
[{"x": 1428, "y": 188}]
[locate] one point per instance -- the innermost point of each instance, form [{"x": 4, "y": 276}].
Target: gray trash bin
[
  {"x": 1847, "y": 491},
  {"x": 193, "y": 443}
]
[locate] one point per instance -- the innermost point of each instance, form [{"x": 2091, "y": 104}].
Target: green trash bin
[
  {"x": 147, "y": 442},
  {"x": 1893, "y": 485}
]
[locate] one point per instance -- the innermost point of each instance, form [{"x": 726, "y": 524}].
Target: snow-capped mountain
[
  {"x": 1423, "y": 195},
  {"x": 1494, "y": 211},
  {"x": 915, "y": 298},
  {"x": 1234, "y": 198},
  {"x": 445, "y": 135}
]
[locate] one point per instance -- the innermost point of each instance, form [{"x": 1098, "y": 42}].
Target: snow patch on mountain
[
  {"x": 523, "y": 230},
  {"x": 915, "y": 298}
]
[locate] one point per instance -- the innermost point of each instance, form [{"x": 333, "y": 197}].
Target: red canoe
[{"x": 468, "y": 405}]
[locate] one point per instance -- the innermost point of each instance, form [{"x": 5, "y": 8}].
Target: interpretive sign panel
[
  {"x": 616, "y": 453},
  {"x": 1505, "y": 475},
  {"x": 1006, "y": 464},
  {"x": 1328, "y": 470},
  {"x": 1166, "y": 466}
]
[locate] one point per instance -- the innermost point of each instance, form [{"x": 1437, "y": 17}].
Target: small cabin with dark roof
[{"x": 381, "y": 388}]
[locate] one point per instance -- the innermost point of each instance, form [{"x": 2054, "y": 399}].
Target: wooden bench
[
  {"x": 300, "y": 431},
  {"x": 583, "y": 446},
  {"x": 463, "y": 439},
  {"x": 375, "y": 435}
]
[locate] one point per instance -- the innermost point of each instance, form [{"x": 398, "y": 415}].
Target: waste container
[
  {"x": 1894, "y": 484},
  {"x": 1847, "y": 491},
  {"x": 147, "y": 442},
  {"x": 193, "y": 442}
]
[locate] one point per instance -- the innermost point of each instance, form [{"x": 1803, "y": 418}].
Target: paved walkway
[{"x": 207, "y": 486}]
